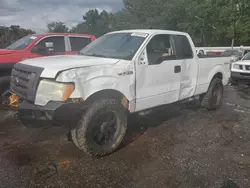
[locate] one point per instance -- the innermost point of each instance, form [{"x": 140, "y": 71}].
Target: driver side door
[{"x": 157, "y": 73}]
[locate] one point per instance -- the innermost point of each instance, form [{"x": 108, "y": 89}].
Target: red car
[{"x": 38, "y": 45}]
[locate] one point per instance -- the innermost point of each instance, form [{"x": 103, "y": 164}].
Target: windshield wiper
[{"x": 92, "y": 54}]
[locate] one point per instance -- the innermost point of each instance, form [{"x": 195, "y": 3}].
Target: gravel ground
[{"x": 185, "y": 147}]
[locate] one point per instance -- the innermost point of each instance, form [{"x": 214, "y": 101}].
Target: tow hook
[
  {"x": 10, "y": 101},
  {"x": 14, "y": 101}
]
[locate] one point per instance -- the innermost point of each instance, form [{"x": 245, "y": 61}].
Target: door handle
[{"x": 177, "y": 69}]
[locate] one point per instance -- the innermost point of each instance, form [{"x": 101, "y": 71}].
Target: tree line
[
  {"x": 209, "y": 22},
  {"x": 11, "y": 34}
]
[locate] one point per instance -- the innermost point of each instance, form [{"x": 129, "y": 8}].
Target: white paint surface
[{"x": 146, "y": 86}]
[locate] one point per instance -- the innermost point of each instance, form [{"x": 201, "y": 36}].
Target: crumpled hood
[
  {"x": 6, "y": 51},
  {"x": 54, "y": 64}
]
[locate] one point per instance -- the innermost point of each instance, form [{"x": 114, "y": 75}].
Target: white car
[
  {"x": 120, "y": 73},
  {"x": 240, "y": 71}
]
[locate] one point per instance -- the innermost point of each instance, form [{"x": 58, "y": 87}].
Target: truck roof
[
  {"x": 64, "y": 34},
  {"x": 151, "y": 31}
]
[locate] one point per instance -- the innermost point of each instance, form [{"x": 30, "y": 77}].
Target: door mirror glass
[{"x": 49, "y": 46}]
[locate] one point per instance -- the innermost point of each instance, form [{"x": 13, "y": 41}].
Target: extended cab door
[
  {"x": 158, "y": 73},
  {"x": 189, "y": 65}
]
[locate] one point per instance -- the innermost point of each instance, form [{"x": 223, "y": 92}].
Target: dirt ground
[{"x": 180, "y": 146}]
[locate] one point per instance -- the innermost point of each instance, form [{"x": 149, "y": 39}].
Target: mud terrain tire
[
  {"x": 212, "y": 100},
  {"x": 82, "y": 135}
]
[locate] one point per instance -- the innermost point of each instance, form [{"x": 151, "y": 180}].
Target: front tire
[
  {"x": 102, "y": 128},
  {"x": 212, "y": 100},
  {"x": 4, "y": 86}
]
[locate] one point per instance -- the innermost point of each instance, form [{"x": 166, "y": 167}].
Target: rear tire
[
  {"x": 102, "y": 128},
  {"x": 74, "y": 139},
  {"x": 212, "y": 100}
]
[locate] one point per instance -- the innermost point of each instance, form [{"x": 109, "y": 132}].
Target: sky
[{"x": 34, "y": 14}]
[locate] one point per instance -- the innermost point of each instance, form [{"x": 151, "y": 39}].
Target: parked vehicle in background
[
  {"x": 236, "y": 54},
  {"x": 37, "y": 45},
  {"x": 200, "y": 51},
  {"x": 120, "y": 73},
  {"x": 214, "y": 52},
  {"x": 240, "y": 71}
]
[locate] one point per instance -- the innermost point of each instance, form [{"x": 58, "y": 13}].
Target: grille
[
  {"x": 24, "y": 81},
  {"x": 247, "y": 67}
]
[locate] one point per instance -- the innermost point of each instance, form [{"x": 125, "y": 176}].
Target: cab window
[
  {"x": 160, "y": 48},
  {"x": 58, "y": 41}
]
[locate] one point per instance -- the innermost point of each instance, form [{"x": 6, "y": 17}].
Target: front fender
[{"x": 126, "y": 86}]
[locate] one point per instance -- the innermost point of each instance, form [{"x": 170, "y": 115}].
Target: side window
[
  {"x": 78, "y": 43},
  {"x": 58, "y": 41},
  {"x": 183, "y": 47},
  {"x": 160, "y": 48}
]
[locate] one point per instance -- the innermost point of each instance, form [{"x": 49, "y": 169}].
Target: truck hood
[
  {"x": 244, "y": 62},
  {"x": 54, "y": 64},
  {"x": 6, "y": 51}
]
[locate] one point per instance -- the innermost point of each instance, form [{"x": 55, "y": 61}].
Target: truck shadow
[
  {"x": 139, "y": 124},
  {"x": 243, "y": 92}
]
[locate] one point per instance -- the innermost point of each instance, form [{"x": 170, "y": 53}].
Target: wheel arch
[
  {"x": 109, "y": 93},
  {"x": 216, "y": 72},
  {"x": 217, "y": 75}
]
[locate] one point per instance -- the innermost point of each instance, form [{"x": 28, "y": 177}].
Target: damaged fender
[{"x": 95, "y": 79}]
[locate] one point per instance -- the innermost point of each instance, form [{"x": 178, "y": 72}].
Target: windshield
[
  {"x": 232, "y": 52},
  {"x": 115, "y": 45},
  {"x": 246, "y": 57},
  {"x": 21, "y": 43}
]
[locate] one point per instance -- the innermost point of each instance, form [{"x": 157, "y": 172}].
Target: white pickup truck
[{"x": 121, "y": 72}]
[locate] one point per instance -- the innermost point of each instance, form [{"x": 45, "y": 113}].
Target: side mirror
[{"x": 49, "y": 46}]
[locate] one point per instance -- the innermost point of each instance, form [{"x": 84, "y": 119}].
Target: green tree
[
  {"x": 57, "y": 27},
  {"x": 11, "y": 34},
  {"x": 209, "y": 22},
  {"x": 95, "y": 23}
]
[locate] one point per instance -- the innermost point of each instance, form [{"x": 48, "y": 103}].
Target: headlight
[
  {"x": 52, "y": 91},
  {"x": 236, "y": 66}
]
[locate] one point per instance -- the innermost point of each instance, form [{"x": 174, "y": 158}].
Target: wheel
[
  {"x": 102, "y": 128},
  {"x": 74, "y": 139},
  {"x": 212, "y": 100}
]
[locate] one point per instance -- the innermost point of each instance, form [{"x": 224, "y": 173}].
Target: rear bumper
[
  {"x": 240, "y": 77},
  {"x": 53, "y": 113}
]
